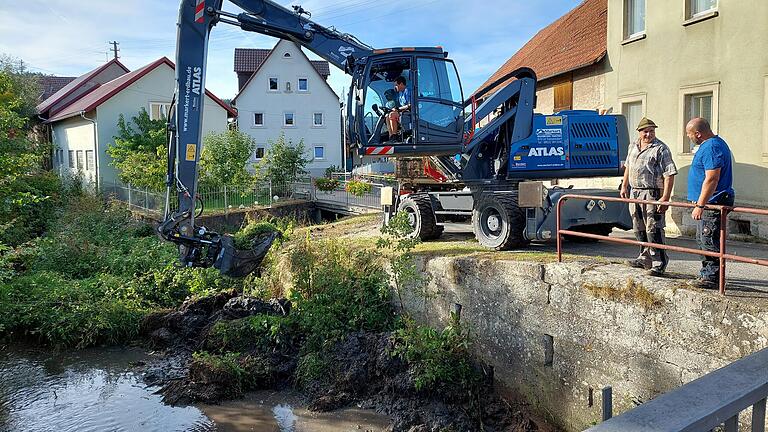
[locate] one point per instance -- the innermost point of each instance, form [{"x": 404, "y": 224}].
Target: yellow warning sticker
[
  {"x": 554, "y": 121},
  {"x": 191, "y": 150},
  {"x": 518, "y": 158}
]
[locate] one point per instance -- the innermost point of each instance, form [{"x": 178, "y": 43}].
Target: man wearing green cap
[{"x": 649, "y": 174}]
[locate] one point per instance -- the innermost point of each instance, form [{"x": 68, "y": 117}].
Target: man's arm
[
  {"x": 711, "y": 177},
  {"x": 669, "y": 184},
  {"x": 625, "y": 183}
]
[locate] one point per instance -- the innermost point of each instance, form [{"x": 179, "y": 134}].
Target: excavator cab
[{"x": 434, "y": 124}]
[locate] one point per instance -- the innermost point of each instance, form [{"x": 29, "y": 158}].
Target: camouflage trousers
[{"x": 648, "y": 225}]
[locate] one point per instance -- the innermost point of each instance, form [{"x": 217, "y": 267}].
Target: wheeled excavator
[{"x": 492, "y": 173}]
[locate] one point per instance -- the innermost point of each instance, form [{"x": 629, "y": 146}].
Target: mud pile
[{"x": 359, "y": 369}]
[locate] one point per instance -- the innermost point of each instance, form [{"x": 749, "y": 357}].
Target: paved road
[{"x": 743, "y": 279}]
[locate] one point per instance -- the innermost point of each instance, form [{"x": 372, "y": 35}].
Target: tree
[
  {"x": 224, "y": 161},
  {"x": 24, "y": 188},
  {"x": 139, "y": 153},
  {"x": 284, "y": 162}
]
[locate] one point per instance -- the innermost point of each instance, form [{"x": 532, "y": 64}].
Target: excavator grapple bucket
[{"x": 235, "y": 262}]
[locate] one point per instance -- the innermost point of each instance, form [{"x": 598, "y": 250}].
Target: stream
[{"x": 102, "y": 389}]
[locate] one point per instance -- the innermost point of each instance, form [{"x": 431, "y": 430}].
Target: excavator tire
[
  {"x": 498, "y": 222},
  {"x": 420, "y": 216}
]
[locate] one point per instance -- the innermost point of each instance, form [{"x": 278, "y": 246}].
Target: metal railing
[
  {"x": 722, "y": 255},
  {"x": 229, "y": 198},
  {"x": 713, "y": 400}
]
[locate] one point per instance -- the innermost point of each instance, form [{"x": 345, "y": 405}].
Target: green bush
[
  {"x": 92, "y": 277},
  {"x": 244, "y": 237},
  {"x": 326, "y": 184},
  {"x": 337, "y": 291},
  {"x": 358, "y": 187},
  {"x": 436, "y": 357}
]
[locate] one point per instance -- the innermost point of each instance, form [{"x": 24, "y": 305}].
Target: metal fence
[
  {"x": 722, "y": 255},
  {"x": 712, "y": 401},
  {"x": 217, "y": 200}
]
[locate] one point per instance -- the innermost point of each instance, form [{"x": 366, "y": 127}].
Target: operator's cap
[{"x": 646, "y": 122}]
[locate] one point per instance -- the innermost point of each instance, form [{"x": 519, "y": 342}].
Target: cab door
[{"x": 439, "y": 103}]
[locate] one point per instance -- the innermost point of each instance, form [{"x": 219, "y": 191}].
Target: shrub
[
  {"x": 436, "y": 357},
  {"x": 337, "y": 291},
  {"x": 326, "y": 184},
  {"x": 358, "y": 187}
]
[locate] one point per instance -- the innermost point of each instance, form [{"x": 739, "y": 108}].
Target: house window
[
  {"x": 319, "y": 152},
  {"x": 159, "y": 110},
  {"x": 698, "y": 101},
  {"x": 698, "y": 8},
  {"x": 259, "y": 153},
  {"x": 287, "y": 55},
  {"x": 317, "y": 119},
  {"x": 80, "y": 160},
  {"x": 288, "y": 119},
  {"x": 90, "y": 160},
  {"x": 303, "y": 84},
  {"x": 633, "y": 112},
  {"x": 564, "y": 95},
  {"x": 258, "y": 119},
  {"x": 634, "y": 18},
  {"x": 273, "y": 82},
  {"x": 71, "y": 156}
]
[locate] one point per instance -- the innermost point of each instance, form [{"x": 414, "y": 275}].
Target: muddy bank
[{"x": 217, "y": 351}]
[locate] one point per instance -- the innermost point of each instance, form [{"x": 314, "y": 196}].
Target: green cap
[{"x": 646, "y": 122}]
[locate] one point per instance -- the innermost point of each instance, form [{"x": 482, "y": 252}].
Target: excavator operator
[{"x": 403, "y": 104}]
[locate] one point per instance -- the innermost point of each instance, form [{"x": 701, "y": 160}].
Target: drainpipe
[{"x": 95, "y": 149}]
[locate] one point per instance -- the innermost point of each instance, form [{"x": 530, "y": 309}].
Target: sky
[{"x": 69, "y": 38}]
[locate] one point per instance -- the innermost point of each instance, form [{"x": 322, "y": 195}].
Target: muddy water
[{"x": 102, "y": 390}]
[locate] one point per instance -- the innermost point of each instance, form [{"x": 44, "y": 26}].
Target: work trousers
[
  {"x": 648, "y": 225},
  {"x": 708, "y": 238}
]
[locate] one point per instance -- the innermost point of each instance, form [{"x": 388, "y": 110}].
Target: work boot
[
  {"x": 656, "y": 271},
  {"x": 637, "y": 263}
]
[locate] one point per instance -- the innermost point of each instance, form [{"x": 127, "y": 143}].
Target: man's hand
[
  {"x": 624, "y": 191},
  {"x": 662, "y": 208},
  {"x": 696, "y": 213}
]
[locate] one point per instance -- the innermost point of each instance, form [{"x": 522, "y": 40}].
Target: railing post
[
  {"x": 146, "y": 199},
  {"x": 758, "y": 416},
  {"x": 226, "y": 207},
  {"x": 723, "y": 235},
  {"x": 129, "y": 196},
  {"x": 557, "y": 227},
  {"x": 607, "y": 402},
  {"x": 270, "y": 192}
]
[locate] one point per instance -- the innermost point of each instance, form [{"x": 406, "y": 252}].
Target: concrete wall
[
  {"x": 156, "y": 86},
  {"x": 256, "y": 97},
  {"x": 75, "y": 134},
  {"x": 642, "y": 344},
  {"x": 723, "y": 54}
]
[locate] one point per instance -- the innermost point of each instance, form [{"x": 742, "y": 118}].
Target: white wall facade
[
  {"x": 74, "y": 135},
  {"x": 156, "y": 86},
  {"x": 256, "y": 97}
]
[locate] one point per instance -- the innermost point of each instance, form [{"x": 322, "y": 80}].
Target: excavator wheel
[
  {"x": 418, "y": 206},
  {"x": 498, "y": 222}
]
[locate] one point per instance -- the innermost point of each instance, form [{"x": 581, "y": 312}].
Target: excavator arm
[{"x": 198, "y": 246}]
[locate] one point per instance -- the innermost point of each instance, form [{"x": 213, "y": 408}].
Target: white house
[
  {"x": 287, "y": 93},
  {"x": 85, "y": 127}
]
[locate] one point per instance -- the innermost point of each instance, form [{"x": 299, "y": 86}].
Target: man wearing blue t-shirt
[
  {"x": 710, "y": 181},
  {"x": 403, "y": 104}
]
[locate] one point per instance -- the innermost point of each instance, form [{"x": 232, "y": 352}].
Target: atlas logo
[
  {"x": 197, "y": 75},
  {"x": 346, "y": 51},
  {"x": 544, "y": 151}
]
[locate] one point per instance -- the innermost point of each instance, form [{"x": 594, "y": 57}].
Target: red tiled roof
[
  {"x": 50, "y": 84},
  {"x": 81, "y": 81},
  {"x": 107, "y": 90},
  {"x": 251, "y": 59},
  {"x": 576, "y": 40}
]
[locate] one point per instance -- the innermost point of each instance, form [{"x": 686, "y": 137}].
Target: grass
[{"x": 630, "y": 292}]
